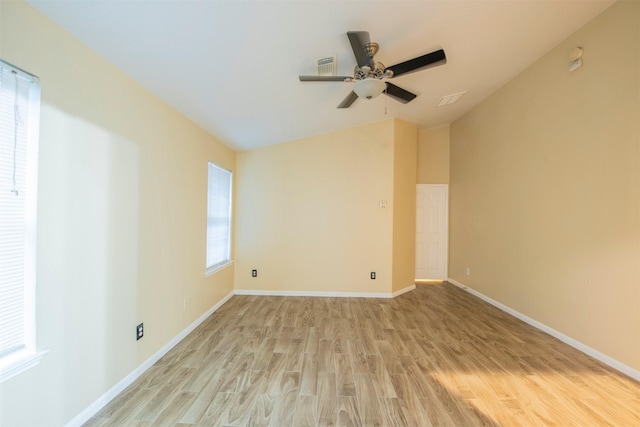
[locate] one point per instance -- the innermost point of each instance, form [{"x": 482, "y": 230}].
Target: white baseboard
[
  {"x": 403, "y": 291},
  {"x": 93, "y": 409},
  {"x": 619, "y": 366},
  {"x": 325, "y": 294}
]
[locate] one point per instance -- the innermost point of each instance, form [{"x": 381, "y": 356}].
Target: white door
[{"x": 431, "y": 231}]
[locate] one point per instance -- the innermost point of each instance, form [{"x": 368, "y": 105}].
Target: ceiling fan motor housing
[{"x": 366, "y": 72}]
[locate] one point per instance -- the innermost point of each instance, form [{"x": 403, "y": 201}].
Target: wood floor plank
[
  {"x": 263, "y": 408},
  {"x": 163, "y": 396},
  {"x": 358, "y": 356},
  {"x": 217, "y": 412},
  {"x": 119, "y": 403},
  {"x": 306, "y": 414},
  {"x": 309, "y": 377},
  {"x": 326, "y": 356},
  {"x": 97, "y": 422},
  {"x": 285, "y": 403},
  {"x": 393, "y": 415},
  {"x": 311, "y": 345},
  {"x": 390, "y": 358},
  {"x": 263, "y": 354},
  {"x": 284, "y": 339},
  {"x": 380, "y": 377},
  {"x": 344, "y": 375},
  {"x": 237, "y": 372},
  {"x": 348, "y": 412},
  {"x": 327, "y": 399},
  {"x": 367, "y": 400},
  {"x": 415, "y": 412},
  {"x": 174, "y": 410},
  {"x": 127, "y": 414},
  {"x": 204, "y": 398},
  {"x": 436, "y": 356}
]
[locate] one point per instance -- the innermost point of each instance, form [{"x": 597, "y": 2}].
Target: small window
[
  {"x": 19, "y": 121},
  {"x": 218, "y": 218}
]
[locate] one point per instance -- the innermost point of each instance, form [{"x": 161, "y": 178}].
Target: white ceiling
[{"x": 233, "y": 66}]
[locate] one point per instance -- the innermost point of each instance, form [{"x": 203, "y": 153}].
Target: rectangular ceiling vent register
[
  {"x": 450, "y": 99},
  {"x": 327, "y": 65}
]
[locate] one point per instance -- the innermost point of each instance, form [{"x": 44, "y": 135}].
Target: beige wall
[
  {"x": 433, "y": 155},
  {"x": 404, "y": 205},
  {"x": 308, "y": 216},
  {"x": 545, "y": 190},
  {"x": 121, "y": 223}
]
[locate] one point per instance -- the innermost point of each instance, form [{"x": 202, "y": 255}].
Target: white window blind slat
[
  {"x": 16, "y": 149},
  {"x": 218, "y": 216}
]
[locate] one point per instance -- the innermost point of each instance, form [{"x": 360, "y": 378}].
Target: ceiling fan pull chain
[{"x": 385, "y": 102}]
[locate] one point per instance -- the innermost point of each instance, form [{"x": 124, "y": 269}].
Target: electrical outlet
[
  {"x": 254, "y": 273},
  {"x": 468, "y": 271},
  {"x": 139, "y": 331},
  {"x": 373, "y": 275}
]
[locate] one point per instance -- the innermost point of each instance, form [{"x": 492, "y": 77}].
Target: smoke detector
[{"x": 575, "y": 56}]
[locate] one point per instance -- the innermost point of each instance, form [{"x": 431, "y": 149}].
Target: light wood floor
[{"x": 434, "y": 356}]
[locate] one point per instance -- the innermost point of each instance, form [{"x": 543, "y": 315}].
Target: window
[
  {"x": 19, "y": 115},
  {"x": 218, "y": 218}
]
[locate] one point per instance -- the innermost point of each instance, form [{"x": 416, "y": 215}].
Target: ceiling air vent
[
  {"x": 450, "y": 99},
  {"x": 327, "y": 65}
]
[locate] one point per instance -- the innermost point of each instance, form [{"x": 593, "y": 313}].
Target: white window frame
[
  {"x": 218, "y": 264},
  {"x": 27, "y": 355}
]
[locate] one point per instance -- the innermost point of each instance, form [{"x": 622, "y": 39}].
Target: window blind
[
  {"x": 218, "y": 217},
  {"x": 17, "y": 214}
]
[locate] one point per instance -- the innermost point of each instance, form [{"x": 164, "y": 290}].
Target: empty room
[{"x": 319, "y": 213}]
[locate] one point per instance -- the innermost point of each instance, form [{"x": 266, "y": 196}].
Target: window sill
[
  {"x": 14, "y": 364},
  {"x": 215, "y": 268}
]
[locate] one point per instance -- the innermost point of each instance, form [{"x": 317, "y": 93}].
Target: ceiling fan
[{"x": 370, "y": 76}]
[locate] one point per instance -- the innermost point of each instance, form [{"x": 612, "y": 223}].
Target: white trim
[
  {"x": 31, "y": 211},
  {"x": 323, "y": 294},
  {"x": 19, "y": 361},
  {"x": 403, "y": 291},
  {"x": 625, "y": 369},
  {"x": 98, "y": 404},
  {"x": 217, "y": 267}
]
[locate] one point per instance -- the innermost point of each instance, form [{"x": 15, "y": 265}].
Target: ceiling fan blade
[
  {"x": 346, "y": 103},
  {"x": 324, "y": 78},
  {"x": 399, "y": 94},
  {"x": 358, "y": 39},
  {"x": 430, "y": 59}
]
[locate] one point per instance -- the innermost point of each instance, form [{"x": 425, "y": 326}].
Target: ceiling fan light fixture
[{"x": 369, "y": 88}]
